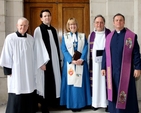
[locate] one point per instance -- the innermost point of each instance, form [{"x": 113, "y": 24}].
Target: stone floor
[{"x": 2, "y": 110}]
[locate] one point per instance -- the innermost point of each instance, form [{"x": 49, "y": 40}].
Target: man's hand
[
  {"x": 137, "y": 73},
  {"x": 103, "y": 72},
  {"x": 43, "y": 67}
]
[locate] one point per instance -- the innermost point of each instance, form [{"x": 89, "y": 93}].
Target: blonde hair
[{"x": 71, "y": 21}]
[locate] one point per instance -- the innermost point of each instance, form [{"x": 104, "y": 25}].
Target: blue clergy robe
[
  {"x": 116, "y": 48},
  {"x": 75, "y": 97}
]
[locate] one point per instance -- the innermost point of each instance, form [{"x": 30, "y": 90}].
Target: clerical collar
[
  {"x": 73, "y": 33},
  {"x": 46, "y": 26},
  {"x": 99, "y": 32},
  {"x": 20, "y": 35},
  {"x": 123, "y": 30}
]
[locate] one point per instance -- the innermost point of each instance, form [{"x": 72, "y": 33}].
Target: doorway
[{"x": 61, "y": 10}]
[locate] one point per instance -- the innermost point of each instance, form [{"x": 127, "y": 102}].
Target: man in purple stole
[
  {"x": 96, "y": 41},
  {"x": 121, "y": 64}
]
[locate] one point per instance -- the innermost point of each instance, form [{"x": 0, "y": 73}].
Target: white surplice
[
  {"x": 99, "y": 85},
  {"x": 44, "y": 58},
  {"x": 41, "y": 58},
  {"x": 18, "y": 54}
]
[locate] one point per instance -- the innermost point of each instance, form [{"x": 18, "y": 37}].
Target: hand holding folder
[{"x": 77, "y": 55}]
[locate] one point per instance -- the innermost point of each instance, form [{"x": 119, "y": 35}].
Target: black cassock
[
  {"x": 117, "y": 43},
  {"x": 50, "y": 88}
]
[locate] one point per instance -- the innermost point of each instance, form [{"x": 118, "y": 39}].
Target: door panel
[
  {"x": 73, "y": 1},
  {"x": 60, "y": 11},
  {"x": 32, "y": 13},
  {"x": 77, "y": 11},
  {"x": 39, "y": 1}
]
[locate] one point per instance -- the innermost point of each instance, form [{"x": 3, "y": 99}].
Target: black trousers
[{"x": 23, "y": 103}]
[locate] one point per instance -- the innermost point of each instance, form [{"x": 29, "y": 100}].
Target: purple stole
[
  {"x": 92, "y": 37},
  {"x": 125, "y": 68}
]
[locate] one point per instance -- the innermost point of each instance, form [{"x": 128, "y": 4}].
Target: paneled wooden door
[{"x": 61, "y": 10}]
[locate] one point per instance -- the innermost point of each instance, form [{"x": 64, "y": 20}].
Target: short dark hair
[
  {"x": 44, "y": 10},
  {"x": 99, "y": 16},
  {"x": 119, "y": 14}
]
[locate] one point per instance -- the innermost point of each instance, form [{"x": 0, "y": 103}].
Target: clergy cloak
[
  {"x": 116, "y": 48},
  {"x": 71, "y": 96},
  {"x": 96, "y": 42},
  {"x": 18, "y": 55},
  {"x": 51, "y": 89}
]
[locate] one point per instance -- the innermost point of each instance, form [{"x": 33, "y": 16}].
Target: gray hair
[
  {"x": 99, "y": 16},
  {"x": 23, "y": 19}
]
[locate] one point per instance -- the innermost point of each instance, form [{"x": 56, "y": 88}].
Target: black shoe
[
  {"x": 93, "y": 108},
  {"x": 76, "y": 110},
  {"x": 45, "y": 112},
  {"x": 73, "y": 110},
  {"x": 106, "y": 109}
]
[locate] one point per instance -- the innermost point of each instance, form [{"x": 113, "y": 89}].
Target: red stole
[{"x": 125, "y": 68}]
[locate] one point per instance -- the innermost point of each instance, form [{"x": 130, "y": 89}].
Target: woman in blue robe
[
  {"x": 74, "y": 97},
  {"x": 116, "y": 48}
]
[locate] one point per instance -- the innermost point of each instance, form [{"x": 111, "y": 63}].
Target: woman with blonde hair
[{"x": 75, "y": 87}]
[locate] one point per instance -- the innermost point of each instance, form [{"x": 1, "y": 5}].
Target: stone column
[
  {"x": 137, "y": 30},
  {"x": 14, "y": 10},
  {"x": 10, "y": 11},
  {"x": 3, "y": 87}
]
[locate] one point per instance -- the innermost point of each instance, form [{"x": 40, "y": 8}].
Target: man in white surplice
[
  {"x": 96, "y": 42},
  {"x": 17, "y": 60},
  {"x": 47, "y": 37}
]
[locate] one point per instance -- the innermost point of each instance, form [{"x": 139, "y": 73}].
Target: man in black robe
[{"x": 52, "y": 70}]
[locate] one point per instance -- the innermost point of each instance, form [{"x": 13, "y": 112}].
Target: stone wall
[{"x": 3, "y": 88}]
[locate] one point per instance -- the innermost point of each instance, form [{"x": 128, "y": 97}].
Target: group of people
[{"x": 99, "y": 71}]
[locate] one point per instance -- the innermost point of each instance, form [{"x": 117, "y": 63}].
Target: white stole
[
  {"x": 74, "y": 72},
  {"x": 99, "y": 44}
]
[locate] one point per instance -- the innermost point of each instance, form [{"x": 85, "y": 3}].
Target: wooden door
[{"x": 61, "y": 10}]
